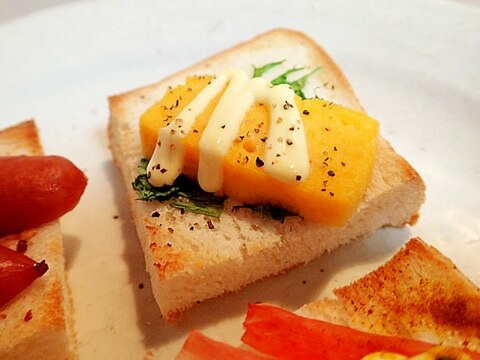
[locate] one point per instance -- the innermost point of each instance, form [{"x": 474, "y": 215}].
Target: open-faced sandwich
[
  {"x": 417, "y": 306},
  {"x": 251, "y": 162},
  {"x": 36, "y": 315}
]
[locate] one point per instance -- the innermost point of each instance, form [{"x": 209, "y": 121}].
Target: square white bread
[
  {"x": 38, "y": 323},
  {"x": 418, "y": 294},
  {"x": 191, "y": 257}
]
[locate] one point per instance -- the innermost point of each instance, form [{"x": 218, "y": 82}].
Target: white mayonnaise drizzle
[{"x": 286, "y": 155}]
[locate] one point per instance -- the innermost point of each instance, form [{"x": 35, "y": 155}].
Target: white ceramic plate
[{"x": 414, "y": 65}]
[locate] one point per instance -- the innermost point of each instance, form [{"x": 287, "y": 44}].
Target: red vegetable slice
[
  {"x": 280, "y": 333},
  {"x": 199, "y": 347},
  {"x": 37, "y": 189},
  {"x": 17, "y": 272}
]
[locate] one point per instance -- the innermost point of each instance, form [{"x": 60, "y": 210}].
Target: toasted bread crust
[
  {"x": 419, "y": 293},
  {"x": 273, "y": 38},
  {"x": 20, "y": 140},
  {"x": 48, "y": 334},
  {"x": 238, "y": 248}
]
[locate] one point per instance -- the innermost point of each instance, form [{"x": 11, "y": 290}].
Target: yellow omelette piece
[{"x": 342, "y": 146}]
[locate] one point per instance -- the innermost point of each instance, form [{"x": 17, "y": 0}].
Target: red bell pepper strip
[{"x": 284, "y": 335}]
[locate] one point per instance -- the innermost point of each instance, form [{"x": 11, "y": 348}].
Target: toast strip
[
  {"x": 38, "y": 323},
  {"x": 191, "y": 257},
  {"x": 418, "y": 294}
]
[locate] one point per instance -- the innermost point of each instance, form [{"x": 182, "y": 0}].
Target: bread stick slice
[
  {"x": 38, "y": 323},
  {"x": 418, "y": 294}
]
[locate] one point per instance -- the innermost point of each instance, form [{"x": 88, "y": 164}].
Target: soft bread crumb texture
[
  {"x": 38, "y": 323},
  {"x": 224, "y": 255}
]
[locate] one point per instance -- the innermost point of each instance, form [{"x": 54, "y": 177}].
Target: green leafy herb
[
  {"x": 147, "y": 192},
  {"x": 208, "y": 208},
  {"x": 186, "y": 194},
  {"x": 297, "y": 85},
  {"x": 183, "y": 194},
  {"x": 282, "y": 78},
  {"x": 259, "y": 71},
  {"x": 268, "y": 210}
]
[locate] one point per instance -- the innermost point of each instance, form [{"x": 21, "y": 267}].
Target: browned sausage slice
[{"x": 37, "y": 189}]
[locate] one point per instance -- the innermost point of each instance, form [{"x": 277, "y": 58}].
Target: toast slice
[
  {"x": 419, "y": 294},
  {"x": 38, "y": 323},
  {"x": 192, "y": 257}
]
